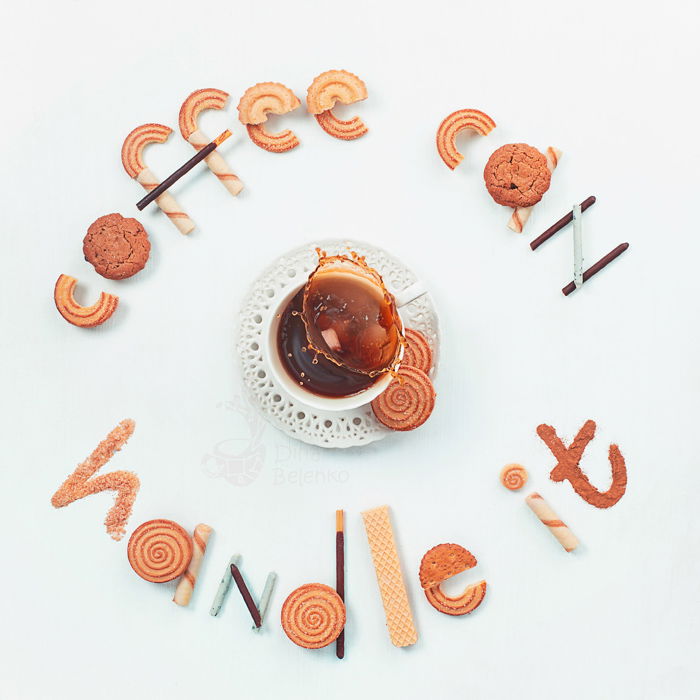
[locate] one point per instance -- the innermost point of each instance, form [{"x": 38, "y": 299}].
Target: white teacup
[{"x": 302, "y": 394}]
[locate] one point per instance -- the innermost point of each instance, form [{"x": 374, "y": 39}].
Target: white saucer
[{"x": 349, "y": 428}]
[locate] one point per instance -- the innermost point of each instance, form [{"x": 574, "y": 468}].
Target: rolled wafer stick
[
  {"x": 216, "y": 163},
  {"x": 548, "y": 517},
  {"x": 520, "y": 215},
  {"x": 192, "y": 107},
  {"x": 559, "y": 225},
  {"x": 340, "y": 573},
  {"x": 183, "y": 592},
  {"x": 595, "y": 269},
  {"x": 245, "y": 593},
  {"x": 265, "y": 597},
  {"x": 132, "y": 160},
  {"x": 224, "y": 585}
]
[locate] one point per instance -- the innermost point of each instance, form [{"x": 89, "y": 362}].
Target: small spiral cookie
[
  {"x": 159, "y": 550},
  {"x": 313, "y": 616},
  {"x": 514, "y": 476},
  {"x": 417, "y": 353},
  {"x": 463, "y": 604},
  {"x": 407, "y": 402}
]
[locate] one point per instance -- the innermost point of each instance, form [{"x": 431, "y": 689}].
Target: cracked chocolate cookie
[
  {"x": 517, "y": 175},
  {"x": 116, "y": 247}
]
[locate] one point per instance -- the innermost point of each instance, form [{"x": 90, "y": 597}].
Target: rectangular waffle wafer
[{"x": 399, "y": 618}]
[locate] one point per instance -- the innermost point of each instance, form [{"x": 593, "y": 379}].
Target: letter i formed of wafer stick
[
  {"x": 340, "y": 573},
  {"x": 551, "y": 520},
  {"x": 132, "y": 160}
]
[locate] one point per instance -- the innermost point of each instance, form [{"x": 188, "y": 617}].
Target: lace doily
[{"x": 322, "y": 428}]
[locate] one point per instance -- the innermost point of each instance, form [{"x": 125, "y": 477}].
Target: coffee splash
[{"x": 350, "y": 317}]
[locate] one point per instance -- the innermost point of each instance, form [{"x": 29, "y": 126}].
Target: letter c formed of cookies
[
  {"x": 259, "y": 101},
  {"x": 331, "y": 87},
  {"x": 443, "y": 562}
]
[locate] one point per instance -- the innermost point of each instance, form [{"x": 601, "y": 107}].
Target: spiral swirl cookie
[
  {"x": 82, "y": 316},
  {"x": 159, "y": 550},
  {"x": 452, "y": 125},
  {"x": 417, "y": 353},
  {"x": 331, "y": 87},
  {"x": 257, "y": 102},
  {"x": 313, "y": 616},
  {"x": 514, "y": 476},
  {"x": 407, "y": 402}
]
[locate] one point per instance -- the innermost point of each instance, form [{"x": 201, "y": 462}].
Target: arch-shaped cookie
[
  {"x": 82, "y": 316},
  {"x": 195, "y": 104},
  {"x": 136, "y": 141},
  {"x": 451, "y": 126}
]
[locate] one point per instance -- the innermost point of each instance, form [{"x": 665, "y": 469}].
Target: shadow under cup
[{"x": 368, "y": 387}]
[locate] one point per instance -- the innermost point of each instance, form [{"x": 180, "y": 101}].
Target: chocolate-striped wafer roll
[
  {"x": 216, "y": 163},
  {"x": 185, "y": 587},
  {"x": 520, "y": 215},
  {"x": 548, "y": 517},
  {"x": 166, "y": 202}
]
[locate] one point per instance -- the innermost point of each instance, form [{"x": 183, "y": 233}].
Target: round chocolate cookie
[
  {"x": 116, "y": 247},
  {"x": 517, "y": 175}
]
